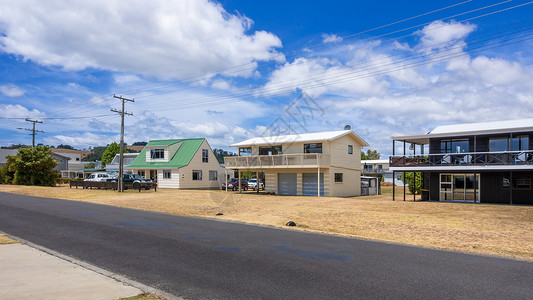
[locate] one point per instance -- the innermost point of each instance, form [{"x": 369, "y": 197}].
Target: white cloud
[
  {"x": 440, "y": 35},
  {"x": 81, "y": 140},
  {"x": 166, "y": 39},
  {"x": 19, "y": 111},
  {"x": 11, "y": 90},
  {"x": 331, "y": 38}
]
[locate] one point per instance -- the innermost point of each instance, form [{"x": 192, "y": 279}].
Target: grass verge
[
  {"x": 4, "y": 240},
  {"x": 476, "y": 228}
]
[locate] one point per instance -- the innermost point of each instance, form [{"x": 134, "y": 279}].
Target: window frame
[
  {"x": 205, "y": 155},
  {"x": 244, "y": 150},
  {"x": 167, "y": 174},
  {"x": 339, "y": 178},
  {"x": 198, "y": 174},
  {"x": 211, "y": 177},
  {"x": 160, "y": 152},
  {"x": 350, "y": 149},
  {"x": 309, "y": 149}
]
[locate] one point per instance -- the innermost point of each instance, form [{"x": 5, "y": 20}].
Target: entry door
[
  {"x": 287, "y": 184},
  {"x": 153, "y": 174},
  {"x": 310, "y": 184}
]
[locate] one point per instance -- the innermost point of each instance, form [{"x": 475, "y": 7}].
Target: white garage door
[
  {"x": 287, "y": 183},
  {"x": 310, "y": 184}
]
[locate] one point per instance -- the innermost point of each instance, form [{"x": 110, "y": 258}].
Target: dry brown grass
[
  {"x": 479, "y": 228},
  {"x": 4, "y": 240}
]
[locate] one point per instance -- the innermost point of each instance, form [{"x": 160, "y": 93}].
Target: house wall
[
  {"x": 196, "y": 163},
  {"x": 350, "y": 185},
  {"x": 171, "y": 183},
  {"x": 492, "y": 190},
  {"x": 340, "y": 156},
  {"x": 271, "y": 179},
  {"x": 166, "y": 150}
]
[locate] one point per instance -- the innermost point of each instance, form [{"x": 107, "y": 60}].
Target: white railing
[{"x": 278, "y": 161}]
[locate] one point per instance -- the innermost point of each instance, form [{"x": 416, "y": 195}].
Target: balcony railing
[
  {"x": 278, "y": 161},
  {"x": 465, "y": 159},
  {"x": 375, "y": 171}
]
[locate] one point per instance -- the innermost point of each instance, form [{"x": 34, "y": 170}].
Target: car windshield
[
  {"x": 252, "y": 180},
  {"x": 136, "y": 176}
]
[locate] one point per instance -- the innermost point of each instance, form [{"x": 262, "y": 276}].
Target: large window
[
  {"x": 459, "y": 187},
  {"x": 205, "y": 155},
  {"x": 247, "y": 151},
  {"x": 313, "y": 148},
  {"x": 273, "y": 150},
  {"x": 213, "y": 175},
  {"x": 499, "y": 144},
  {"x": 196, "y": 174},
  {"x": 167, "y": 174},
  {"x": 157, "y": 153},
  {"x": 454, "y": 146}
]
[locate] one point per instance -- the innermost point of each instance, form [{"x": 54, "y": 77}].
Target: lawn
[{"x": 476, "y": 228}]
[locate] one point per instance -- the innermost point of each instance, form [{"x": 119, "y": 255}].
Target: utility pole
[
  {"x": 121, "y": 156},
  {"x": 33, "y": 131}
]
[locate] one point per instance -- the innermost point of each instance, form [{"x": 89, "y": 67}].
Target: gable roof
[
  {"x": 181, "y": 158},
  {"x": 495, "y": 127},
  {"x": 299, "y": 138}
]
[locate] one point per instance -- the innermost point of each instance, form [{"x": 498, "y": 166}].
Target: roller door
[
  {"x": 310, "y": 184},
  {"x": 287, "y": 183}
]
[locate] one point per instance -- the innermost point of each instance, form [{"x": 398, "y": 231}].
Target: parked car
[
  {"x": 252, "y": 183},
  {"x": 135, "y": 179},
  {"x": 98, "y": 176},
  {"x": 233, "y": 185}
]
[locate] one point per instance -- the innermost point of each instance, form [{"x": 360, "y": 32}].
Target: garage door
[
  {"x": 310, "y": 184},
  {"x": 287, "y": 183}
]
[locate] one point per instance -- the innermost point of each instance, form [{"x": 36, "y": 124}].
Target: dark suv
[
  {"x": 233, "y": 184},
  {"x": 134, "y": 180}
]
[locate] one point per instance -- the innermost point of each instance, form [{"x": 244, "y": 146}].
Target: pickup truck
[{"x": 233, "y": 185}]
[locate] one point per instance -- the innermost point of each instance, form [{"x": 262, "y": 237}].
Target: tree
[
  {"x": 370, "y": 154},
  {"x": 31, "y": 166},
  {"x": 410, "y": 178},
  {"x": 109, "y": 153},
  {"x": 89, "y": 165},
  {"x": 61, "y": 146},
  {"x": 221, "y": 153},
  {"x": 96, "y": 154},
  {"x": 139, "y": 144}
]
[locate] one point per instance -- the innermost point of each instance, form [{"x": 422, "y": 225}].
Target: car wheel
[
  {"x": 233, "y": 189},
  {"x": 245, "y": 188}
]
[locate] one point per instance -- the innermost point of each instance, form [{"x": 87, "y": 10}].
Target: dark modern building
[{"x": 490, "y": 162}]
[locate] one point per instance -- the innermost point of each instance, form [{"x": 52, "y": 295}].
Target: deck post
[
  {"x": 393, "y": 146},
  {"x": 511, "y": 187},
  {"x": 240, "y": 181},
  {"x": 226, "y": 179},
  {"x": 475, "y": 187},
  {"x": 393, "y": 184},
  {"x": 414, "y": 186},
  {"x": 404, "y": 181},
  {"x": 318, "y": 180},
  {"x": 257, "y": 182}
]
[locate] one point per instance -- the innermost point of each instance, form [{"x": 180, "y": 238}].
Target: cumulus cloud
[
  {"x": 165, "y": 39},
  {"x": 19, "y": 111},
  {"x": 11, "y": 90},
  {"x": 81, "y": 140},
  {"x": 440, "y": 35},
  {"x": 331, "y": 38}
]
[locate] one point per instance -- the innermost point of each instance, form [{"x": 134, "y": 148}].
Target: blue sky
[{"x": 229, "y": 70}]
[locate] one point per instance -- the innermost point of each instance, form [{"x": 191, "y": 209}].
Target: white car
[
  {"x": 252, "y": 183},
  {"x": 98, "y": 176}
]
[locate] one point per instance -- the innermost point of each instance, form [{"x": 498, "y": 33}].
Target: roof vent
[{"x": 347, "y": 127}]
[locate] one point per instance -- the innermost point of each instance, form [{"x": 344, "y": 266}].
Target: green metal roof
[{"x": 181, "y": 158}]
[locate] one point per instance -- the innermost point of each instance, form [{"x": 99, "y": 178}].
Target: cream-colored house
[
  {"x": 179, "y": 164},
  {"x": 291, "y": 163}
]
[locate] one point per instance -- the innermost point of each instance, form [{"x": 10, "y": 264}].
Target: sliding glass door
[{"x": 459, "y": 187}]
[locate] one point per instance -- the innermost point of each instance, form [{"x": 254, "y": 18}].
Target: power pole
[
  {"x": 121, "y": 156},
  {"x": 33, "y": 131}
]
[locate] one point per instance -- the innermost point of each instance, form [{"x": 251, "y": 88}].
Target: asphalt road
[{"x": 199, "y": 259}]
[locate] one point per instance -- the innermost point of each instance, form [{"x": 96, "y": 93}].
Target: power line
[{"x": 121, "y": 157}]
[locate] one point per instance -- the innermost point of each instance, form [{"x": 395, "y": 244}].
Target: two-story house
[
  {"x": 489, "y": 162},
  {"x": 304, "y": 164},
  {"x": 179, "y": 164}
]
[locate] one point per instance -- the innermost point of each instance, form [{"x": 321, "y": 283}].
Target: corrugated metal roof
[
  {"x": 183, "y": 156},
  {"x": 295, "y": 138},
  {"x": 374, "y": 161},
  {"x": 483, "y": 126}
]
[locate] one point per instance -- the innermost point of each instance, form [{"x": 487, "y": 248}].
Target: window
[
  {"x": 157, "y": 153},
  {"x": 454, "y": 146},
  {"x": 245, "y": 151},
  {"x": 167, "y": 174},
  {"x": 338, "y": 177},
  {"x": 205, "y": 155},
  {"x": 196, "y": 174},
  {"x": 141, "y": 173},
  {"x": 350, "y": 149},
  {"x": 313, "y": 148},
  {"x": 380, "y": 167},
  {"x": 213, "y": 175},
  {"x": 77, "y": 159},
  {"x": 522, "y": 183},
  {"x": 273, "y": 150},
  {"x": 520, "y": 143}
]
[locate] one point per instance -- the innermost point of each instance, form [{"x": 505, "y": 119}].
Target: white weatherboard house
[
  {"x": 291, "y": 163},
  {"x": 179, "y": 164}
]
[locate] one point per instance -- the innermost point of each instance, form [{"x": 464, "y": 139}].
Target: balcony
[
  {"x": 505, "y": 158},
  {"x": 307, "y": 160}
]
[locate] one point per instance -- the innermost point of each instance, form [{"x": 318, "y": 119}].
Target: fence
[{"x": 108, "y": 185}]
